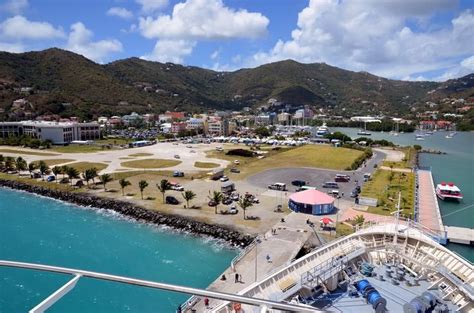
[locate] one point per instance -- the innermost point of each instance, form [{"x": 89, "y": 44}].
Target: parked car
[
  {"x": 190, "y": 147},
  {"x": 330, "y": 184},
  {"x": 237, "y": 162},
  {"x": 35, "y": 175},
  {"x": 357, "y": 188},
  {"x": 177, "y": 187},
  {"x": 277, "y": 186},
  {"x": 340, "y": 178},
  {"x": 235, "y": 170},
  {"x": 192, "y": 151},
  {"x": 334, "y": 193},
  {"x": 227, "y": 201},
  {"x": 224, "y": 179},
  {"x": 299, "y": 183},
  {"x": 176, "y": 156},
  {"x": 255, "y": 200},
  {"x": 50, "y": 178},
  {"x": 171, "y": 200},
  {"x": 234, "y": 196},
  {"x": 178, "y": 174},
  {"x": 212, "y": 203},
  {"x": 354, "y": 193}
]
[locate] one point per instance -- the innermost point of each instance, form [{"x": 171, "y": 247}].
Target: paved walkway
[
  {"x": 429, "y": 215},
  {"x": 282, "y": 248},
  {"x": 396, "y": 169}
]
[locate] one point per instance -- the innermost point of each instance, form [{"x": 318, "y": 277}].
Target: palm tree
[
  {"x": 142, "y": 184},
  {"x": 163, "y": 186},
  {"x": 9, "y": 163},
  {"x": 244, "y": 203},
  {"x": 93, "y": 173},
  {"x": 188, "y": 195},
  {"x": 359, "y": 219},
  {"x": 124, "y": 183},
  {"x": 43, "y": 168},
  {"x": 217, "y": 197},
  {"x": 31, "y": 167},
  {"x": 72, "y": 173},
  {"x": 64, "y": 169},
  {"x": 104, "y": 179},
  {"x": 89, "y": 174},
  {"x": 56, "y": 171},
  {"x": 20, "y": 164},
  {"x": 2, "y": 160}
]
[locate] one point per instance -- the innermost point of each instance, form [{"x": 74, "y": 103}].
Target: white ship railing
[{"x": 77, "y": 273}]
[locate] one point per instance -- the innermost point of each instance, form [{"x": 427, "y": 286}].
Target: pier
[
  {"x": 282, "y": 247},
  {"x": 428, "y": 214}
]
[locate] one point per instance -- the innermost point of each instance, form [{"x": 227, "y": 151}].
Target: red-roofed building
[
  {"x": 175, "y": 115},
  {"x": 311, "y": 202},
  {"x": 177, "y": 127}
]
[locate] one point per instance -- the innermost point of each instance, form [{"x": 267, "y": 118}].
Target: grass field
[
  {"x": 53, "y": 162},
  {"x": 113, "y": 141},
  {"x": 205, "y": 164},
  {"x": 319, "y": 156},
  {"x": 82, "y": 166},
  {"x": 385, "y": 186},
  {"x": 78, "y": 149},
  {"x": 140, "y": 155},
  {"x": 28, "y": 152},
  {"x": 151, "y": 163}
]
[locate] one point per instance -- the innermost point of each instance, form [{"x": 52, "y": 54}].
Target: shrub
[{"x": 240, "y": 152}]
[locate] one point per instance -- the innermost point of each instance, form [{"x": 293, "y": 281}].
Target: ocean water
[
  {"x": 37, "y": 229},
  {"x": 456, "y": 166}
]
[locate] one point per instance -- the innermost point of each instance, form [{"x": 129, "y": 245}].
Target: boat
[
  {"x": 382, "y": 267},
  {"x": 364, "y": 131},
  {"x": 322, "y": 130},
  {"x": 420, "y": 137},
  {"x": 448, "y": 191}
]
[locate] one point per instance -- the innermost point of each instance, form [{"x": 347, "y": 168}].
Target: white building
[
  {"x": 195, "y": 124},
  {"x": 57, "y": 132}
]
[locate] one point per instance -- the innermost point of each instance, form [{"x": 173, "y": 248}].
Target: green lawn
[
  {"x": 150, "y": 163},
  {"x": 319, "y": 156},
  {"x": 140, "y": 155},
  {"x": 386, "y": 191},
  {"x": 82, "y": 166},
  {"x": 28, "y": 152},
  {"x": 205, "y": 164},
  {"x": 73, "y": 148},
  {"x": 113, "y": 141},
  {"x": 53, "y": 162}
]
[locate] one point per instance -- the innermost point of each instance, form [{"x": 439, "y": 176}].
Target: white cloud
[
  {"x": 215, "y": 54},
  {"x": 18, "y": 27},
  {"x": 468, "y": 63},
  {"x": 80, "y": 41},
  {"x": 465, "y": 67},
  {"x": 372, "y": 35},
  {"x": 12, "y": 47},
  {"x": 205, "y": 20},
  {"x": 14, "y": 6},
  {"x": 151, "y": 6},
  {"x": 168, "y": 50},
  {"x": 120, "y": 12}
]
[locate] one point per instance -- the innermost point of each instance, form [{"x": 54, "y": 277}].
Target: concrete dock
[
  {"x": 460, "y": 235},
  {"x": 252, "y": 264},
  {"x": 429, "y": 214}
]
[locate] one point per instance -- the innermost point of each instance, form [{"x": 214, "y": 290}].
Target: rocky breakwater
[{"x": 136, "y": 212}]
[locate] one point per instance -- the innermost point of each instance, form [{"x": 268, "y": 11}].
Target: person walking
[
  {"x": 236, "y": 278},
  {"x": 269, "y": 259}
]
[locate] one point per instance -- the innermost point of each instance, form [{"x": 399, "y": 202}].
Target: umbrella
[{"x": 326, "y": 220}]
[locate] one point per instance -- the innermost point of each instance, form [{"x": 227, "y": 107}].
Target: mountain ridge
[{"x": 133, "y": 84}]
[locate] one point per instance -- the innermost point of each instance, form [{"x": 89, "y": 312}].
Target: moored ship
[{"x": 448, "y": 191}]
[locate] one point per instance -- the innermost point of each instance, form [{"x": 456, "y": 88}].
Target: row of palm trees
[{"x": 19, "y": 164}]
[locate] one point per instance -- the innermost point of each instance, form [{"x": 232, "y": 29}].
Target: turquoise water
[
  {"x": 36, "y": 229},
  {"x": 456, "y": 166}
]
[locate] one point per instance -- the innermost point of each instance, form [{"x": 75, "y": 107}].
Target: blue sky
[{"x": 405, "y": 39}]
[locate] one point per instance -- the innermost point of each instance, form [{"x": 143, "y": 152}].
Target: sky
[{"x": 399, "y": 39}]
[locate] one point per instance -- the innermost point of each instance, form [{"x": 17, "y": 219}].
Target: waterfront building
[
  {"x": 58, "y": 132},
  {"x": 195, "y": 124},
  {"x": 177, "y": 127}
]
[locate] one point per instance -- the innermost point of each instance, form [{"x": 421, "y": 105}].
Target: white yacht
[{"x": 322, "y": 130}]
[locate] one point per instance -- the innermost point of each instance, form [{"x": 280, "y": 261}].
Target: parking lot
[{"x": 315, "y": 177}]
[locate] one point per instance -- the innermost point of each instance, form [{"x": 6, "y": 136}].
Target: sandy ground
[
  {"x": 392, "y": 155},
  {"x": 114, "y": 158}
]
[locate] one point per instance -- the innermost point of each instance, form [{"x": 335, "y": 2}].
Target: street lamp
[{"x": 257, "y": 241}]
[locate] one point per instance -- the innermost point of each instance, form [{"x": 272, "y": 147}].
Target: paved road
[{"x": 315, "y": 177}]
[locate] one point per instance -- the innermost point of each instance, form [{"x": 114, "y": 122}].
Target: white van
[{"x": 277, "y": 186}]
